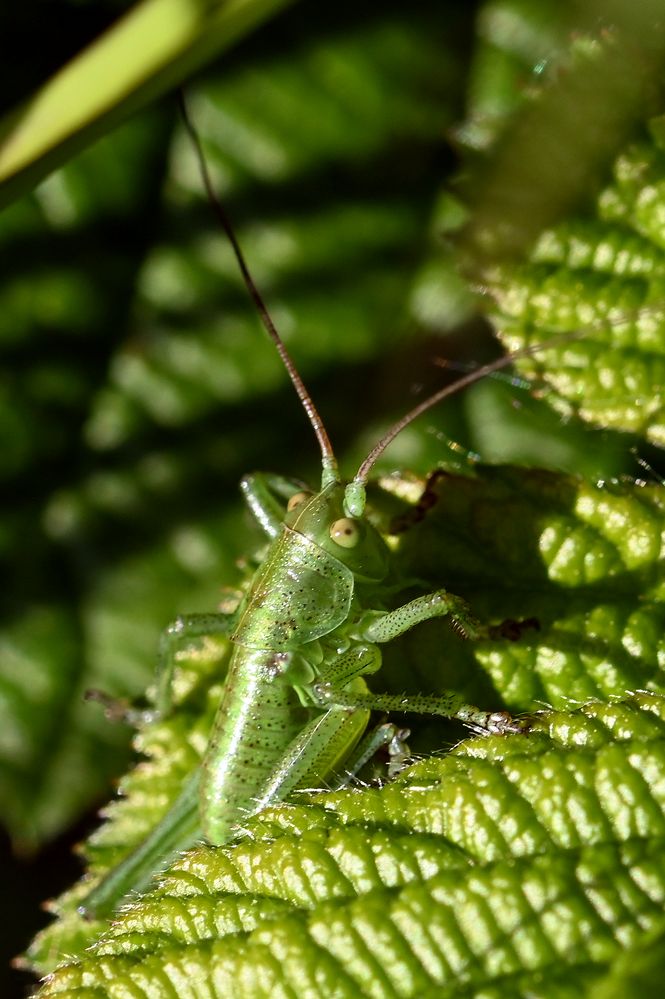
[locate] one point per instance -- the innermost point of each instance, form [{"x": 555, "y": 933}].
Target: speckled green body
[
  {"x": 256, "y": 721},
  {"x": 295, "y": 703},
  {"x": 300, "y": 595}
]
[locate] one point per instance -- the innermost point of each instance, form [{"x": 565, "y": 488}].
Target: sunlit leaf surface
[{"x": 140, "y": 388}]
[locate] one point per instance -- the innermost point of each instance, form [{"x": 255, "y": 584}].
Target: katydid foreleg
[
  {"x": 384, "y": 626},
  {"x": 261, "y": 491}
]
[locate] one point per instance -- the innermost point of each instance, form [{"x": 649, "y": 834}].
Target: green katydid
[{"x": 296, "y": 708}]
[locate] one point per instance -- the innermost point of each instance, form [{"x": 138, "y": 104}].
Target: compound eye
[
  {"x": 297, "y": 500},
  {"x": 345, "y": 532}
]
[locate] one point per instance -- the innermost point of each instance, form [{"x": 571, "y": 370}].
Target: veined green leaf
[
  {"x": 512, "y": 867},
  {"x": 328, "y": 147},
  {"x": 584, "y": 563},
  {"x": 578, "y": 258}
]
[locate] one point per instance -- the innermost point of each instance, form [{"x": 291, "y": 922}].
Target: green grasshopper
[{"x": 296, "y": 708}]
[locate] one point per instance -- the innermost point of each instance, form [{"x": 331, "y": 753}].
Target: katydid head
[{"x": 324, "y": 519}]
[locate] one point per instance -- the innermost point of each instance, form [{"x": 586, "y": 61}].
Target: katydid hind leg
[
  {"x": 316, "y": 755},
  {"x": 178, "y": 830},
  {"x": 317, "y": 751}
]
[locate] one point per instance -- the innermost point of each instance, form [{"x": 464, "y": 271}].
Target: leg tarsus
[
  {"x": 120, "y": 709},
  {"x": 502, "y": 722}
]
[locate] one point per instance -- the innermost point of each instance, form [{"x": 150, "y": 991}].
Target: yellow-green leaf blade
[{"x": 153, "y": 48}]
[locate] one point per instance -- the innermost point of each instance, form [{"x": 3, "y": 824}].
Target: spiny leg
[
  {"x": 387, "y": 734},
  {"x": 449, "y": 704},
  {"x": 319, "y": 751},
  {"x": 183, "y": 631},
  {"x": 384, "y": 626}
]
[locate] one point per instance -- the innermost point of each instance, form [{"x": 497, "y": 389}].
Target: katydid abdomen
[
  {"x": 254, "y": 758},
  {"x": 269, "y": 735},
  {"x": 300, "y": 594},
  {"x": 257, "y": 720}
]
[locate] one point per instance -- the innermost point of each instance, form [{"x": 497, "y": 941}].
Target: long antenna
[
  {"x": 327, "y": 454},
  {"x": 488, "y": 369},
  {"x": 452, "y": 389}
]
